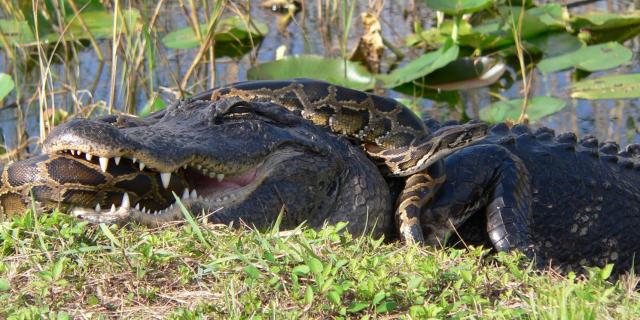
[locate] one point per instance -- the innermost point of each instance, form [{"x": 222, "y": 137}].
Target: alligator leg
[
  {"x": 483, "y": 178},
  {"x": 419, "y": 189}
]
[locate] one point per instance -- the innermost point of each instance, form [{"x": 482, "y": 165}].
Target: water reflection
[{"x": 84, "y": 80}]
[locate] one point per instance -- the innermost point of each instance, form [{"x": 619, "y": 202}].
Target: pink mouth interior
[{"x": 206, "y": 185}]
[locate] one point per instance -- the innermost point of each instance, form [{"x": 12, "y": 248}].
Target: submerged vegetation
[{"x": 498, "y": 60}]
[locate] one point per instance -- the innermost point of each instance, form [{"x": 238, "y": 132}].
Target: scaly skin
[
  {"x": 216, "y": 135},
  {"x": 272, "y": 162},
  {"x": 560, "y": 201}
]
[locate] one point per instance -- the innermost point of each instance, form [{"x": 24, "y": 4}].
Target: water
[{"x": 308, "y": 33}]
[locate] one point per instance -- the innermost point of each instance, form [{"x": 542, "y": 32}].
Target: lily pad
[
  {"x": 421, "y": 66},
  {"x": 345, "y": 73},
  {"x": 498, "y": 32},
  {"x": 99, "y": 23},
  {"x": 623, "y": 86},
  {"x": 555, "y": 43},
  {"x": 591, "y": 58},
  {"x": 6, "y": 85},
  {"x": 232, "y": 29},
  {"x": 539, "y": 107},
  {"x": 458, "y": 7},
  {"x": 17, "y": 32},
  {"x": 604, "y": 20},
  {"x": 465, "y": 73}
]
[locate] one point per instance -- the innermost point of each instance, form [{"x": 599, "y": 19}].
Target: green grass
[{"x": 56, "y": 267}]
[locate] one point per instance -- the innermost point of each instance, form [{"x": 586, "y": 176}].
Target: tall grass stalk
[
  {"x": 115, "y": 42},
  {"x": 207, "y": 41},
  {"x": 83, "y": 24},
  {"x": 347, "y": 21},
  {"x": 517, "y": 33}
]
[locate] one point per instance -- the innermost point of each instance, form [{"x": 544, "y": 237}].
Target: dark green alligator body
[
  {"x": 565, "y": 201},
  {"x": 244, "y": 153}
]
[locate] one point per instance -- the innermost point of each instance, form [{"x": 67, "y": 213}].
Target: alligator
[
  {"x": 248, "y": 152},
  {"x": 565, "y": 201},
  {"x": 240, "y": 153}
]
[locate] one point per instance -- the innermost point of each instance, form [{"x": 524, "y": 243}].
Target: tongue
[{"x": 206, "y": 186}]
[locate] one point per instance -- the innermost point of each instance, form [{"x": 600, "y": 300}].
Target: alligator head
[{"x": 239, "y": 166}]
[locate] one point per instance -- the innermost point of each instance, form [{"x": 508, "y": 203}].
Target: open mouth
[{"x": 149, "y": 193}]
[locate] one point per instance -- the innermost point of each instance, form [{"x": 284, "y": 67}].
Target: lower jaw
[{"x": 198, "y": 205}]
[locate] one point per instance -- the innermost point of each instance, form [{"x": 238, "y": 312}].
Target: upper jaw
[{"x": 207, "y": 200}]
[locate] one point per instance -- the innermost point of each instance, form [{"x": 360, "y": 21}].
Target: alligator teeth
[
  {"x": 144, "y": 210},
  {"x": 166, "y": 178},
  {"x": 116, "y": 160},
  {"x": 104, "y": 163},
  {"x": 113, "y": 208},
  {"x": 97, "y": 208},
  {"x": 194, "y": 194},
  {"x": 134, "y": 159},
  {"x": 88, "y": 156},
  {"x": 212, "y": 174},
  {"x": 185, "y": 194},
  {"x": 125, "y": 201},
  {"x": 141, "y": 166},
  {"x": 220, "y": 177},
  {"x": 73, "y": 152},
  {"x": 137, "y": 206}
]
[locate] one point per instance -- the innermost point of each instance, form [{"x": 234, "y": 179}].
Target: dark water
[{"x": 310, "y": 33}]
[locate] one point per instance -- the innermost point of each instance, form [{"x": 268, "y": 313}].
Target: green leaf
[
  {"x": 155, "y": 103},
  {"x": 378, "y": 297},
  {"x": 334, "y": 297},
  {"x": 357, "y": 306},
  {"x": 252, "y": 271},
  {"x": 538, "y": 108},
  {"x": 230, "y": 30},
  {"x": 4, "y": 284},
  {"x": 45, "y": 275},
  {"x": 114, "y": 241},
  {"x": 308, "y": 295},
  {"x": 458, "y": 7},
  {"x": 301, "y": 270},
  {"x": 421, "y": 66},
  {"x": 348, "y": 74},
  {"x": 315, "y": 265},
  {"x": 192, "y": 222},
  {"x": 386, "y": 306},
  {"x": 58, "y": 267},
  {"x": 592, "y": 58},
  {"x": 605, "y": 272},
  {"x": 609, "y": 87},
  {"x": 6, "y": 85}
]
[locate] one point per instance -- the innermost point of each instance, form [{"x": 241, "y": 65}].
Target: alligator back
[
  {"x": 585, "y": 196},
  {"x": 570, "y": 203}
]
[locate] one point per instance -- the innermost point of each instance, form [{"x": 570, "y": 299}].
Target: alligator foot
[{"x": 501, "y": 190}]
